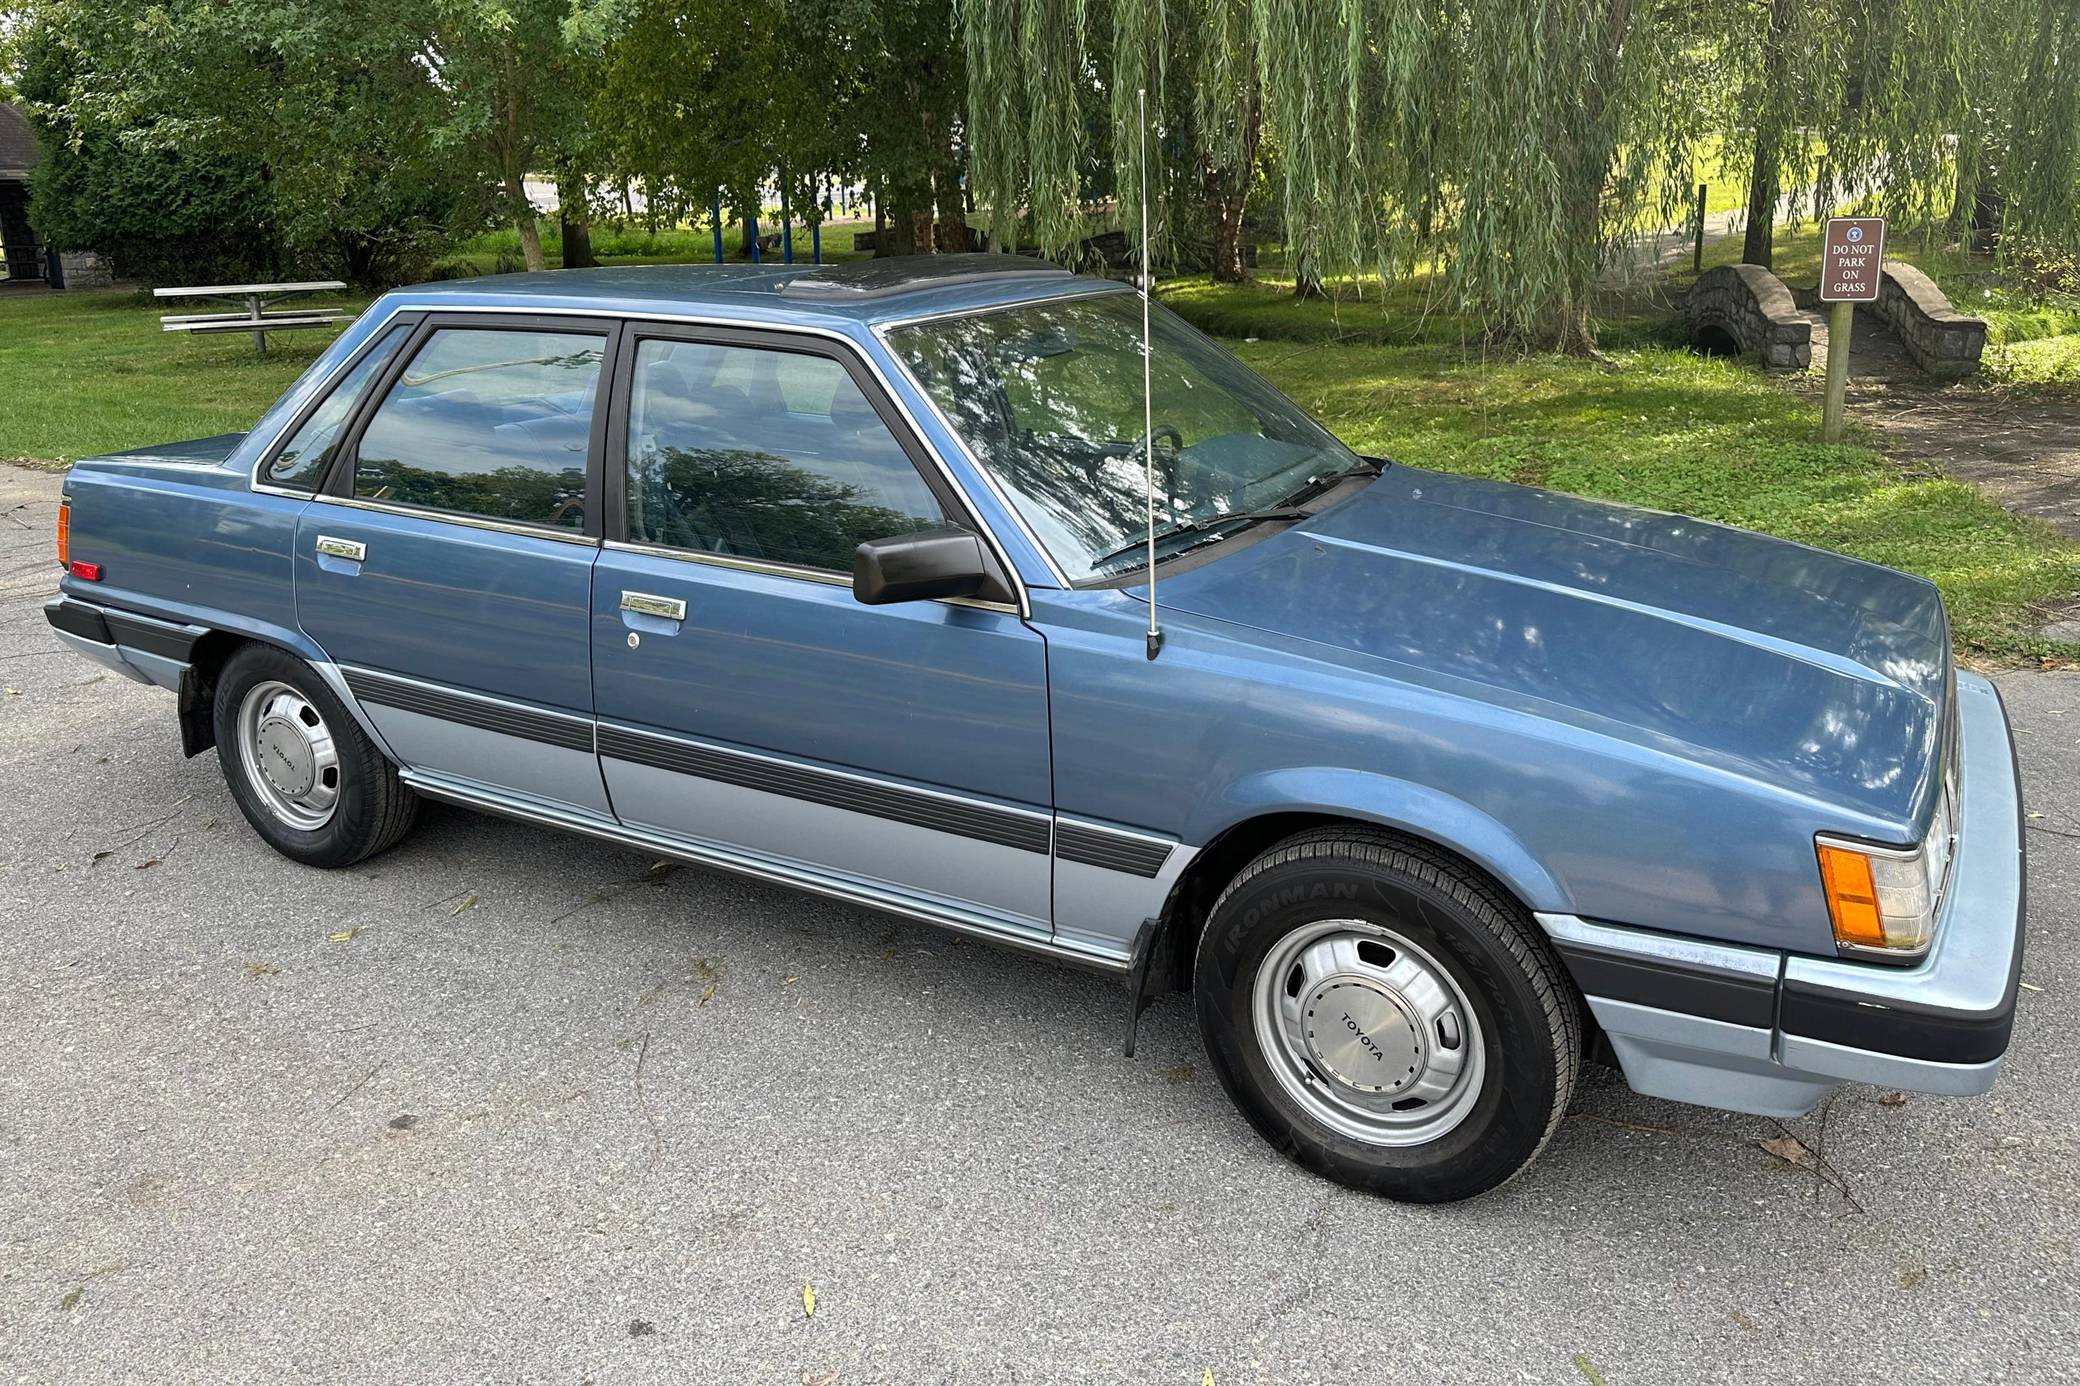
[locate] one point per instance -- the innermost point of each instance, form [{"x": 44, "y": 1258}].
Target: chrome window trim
[
  {"x": 830, "y": 334},
  {"x": 801, "y": 573},
  {"x": 561, "y": 536}
]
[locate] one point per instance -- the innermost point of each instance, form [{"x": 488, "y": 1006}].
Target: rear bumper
[
  {"x": 1752, "y": 1030},
  {"x": 142, "y": 648}
]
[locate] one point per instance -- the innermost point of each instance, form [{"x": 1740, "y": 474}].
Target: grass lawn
[
  {"x": 82, "y": 373},
  {"x": 87, "y": 373},
  {"x": 1712, "y": 438}
]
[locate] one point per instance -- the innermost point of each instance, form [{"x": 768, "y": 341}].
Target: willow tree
[
  {"x": 2043, "y": 203},
  {"x": 1511, "y": 139}
]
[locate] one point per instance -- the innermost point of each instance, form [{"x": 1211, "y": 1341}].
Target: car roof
[{"x": 869, "y": 292}]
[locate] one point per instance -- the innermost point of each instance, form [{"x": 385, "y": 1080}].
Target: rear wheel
[
  {"x": 303, "y": 772},
  {"x": 1385, "y": 1016}
]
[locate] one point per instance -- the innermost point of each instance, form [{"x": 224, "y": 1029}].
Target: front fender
[{"x": 1369, "y": 797}]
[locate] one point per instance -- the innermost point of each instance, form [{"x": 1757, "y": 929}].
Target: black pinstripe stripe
[
  {"x": 1111, "y": 851},
  {"x": 892, "y": 802},
  {"x": 1733, "y": 997},
  {"x": 551, "y": 729},
  {"x": 162, "y": 638}
]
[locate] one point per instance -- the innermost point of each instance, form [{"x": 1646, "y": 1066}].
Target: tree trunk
[
  {"x": 1758, "y": 247},
  {"x": 1224, "y": 205},
  {"x": 573, "y": 222},
  {"x": 949, "y": 230},
  {"x": 881, "y": 246},
  {"x": 1307, "y": 280},
  {"x": 522, "y": 213},
  {"x": 901, "y": 236},
  {"x": 1227, "y": 194}
]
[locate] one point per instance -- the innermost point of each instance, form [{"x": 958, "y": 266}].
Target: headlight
[{"x": 1883, "y": 900}]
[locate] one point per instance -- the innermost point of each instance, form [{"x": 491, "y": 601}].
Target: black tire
[
  {"x": 374, "y": 808},
  {"x": 1493, "y": 952}
]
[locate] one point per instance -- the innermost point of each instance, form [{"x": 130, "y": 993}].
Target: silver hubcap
[
  {"x": 1368, "y": 1033},
  {"x": 290, "y": 760}
]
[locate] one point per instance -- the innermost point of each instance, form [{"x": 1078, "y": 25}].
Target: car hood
[{"x": 1801, "y": 669}]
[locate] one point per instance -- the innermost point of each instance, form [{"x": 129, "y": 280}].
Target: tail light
[{"x": 65, "y": 532}]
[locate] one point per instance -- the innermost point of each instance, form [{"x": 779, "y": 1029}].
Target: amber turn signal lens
[
  {"x": 64, "y": 534},
  {"x": 1852, "y": 897}
]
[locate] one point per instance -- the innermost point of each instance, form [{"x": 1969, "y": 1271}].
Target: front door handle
[
  {"x": 643, "y": 604},
  {"x": 353, "y": 550}
]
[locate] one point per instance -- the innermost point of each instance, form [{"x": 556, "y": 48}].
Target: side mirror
[{"x": 916, "y": 567}]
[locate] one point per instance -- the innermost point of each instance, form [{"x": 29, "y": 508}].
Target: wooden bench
[{"x": 255, "y": 317}]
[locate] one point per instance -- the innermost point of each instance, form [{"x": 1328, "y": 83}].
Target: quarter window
[
  {"x": 769, "y": 455},
  {"x": 487, "y": 422},
  {"x": 301, "y": 465}
]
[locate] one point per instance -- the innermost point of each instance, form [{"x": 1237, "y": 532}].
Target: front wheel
[
  {"x": 1386, "y": 1017},
  {"x": 303, "y": 772}
]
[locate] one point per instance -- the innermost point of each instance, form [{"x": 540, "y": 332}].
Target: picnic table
[{"x": 255, "y": 317}]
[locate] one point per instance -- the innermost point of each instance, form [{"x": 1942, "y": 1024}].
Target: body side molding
[{"x": 758, "y": 866}]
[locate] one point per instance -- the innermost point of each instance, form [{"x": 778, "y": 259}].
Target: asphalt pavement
[{"x": 502, "y": 1105}]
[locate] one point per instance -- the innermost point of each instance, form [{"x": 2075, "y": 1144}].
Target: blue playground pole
[
  {"x": 715, "y": 206},
  {"x": 786, "y": 229},
  {"x": 816, "y": 242},
  {"x": 751, "y": 231}
]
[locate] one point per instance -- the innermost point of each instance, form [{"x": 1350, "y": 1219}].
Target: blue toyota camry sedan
[{"x": 1426, "y": 789}]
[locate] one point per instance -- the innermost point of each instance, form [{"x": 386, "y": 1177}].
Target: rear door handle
[
  {"x": 353, "y": 550},
  {"x": 644, "y": 604}
]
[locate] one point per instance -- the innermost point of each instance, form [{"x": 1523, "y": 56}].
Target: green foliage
[
  {"x": 88, "y": 372},
  {"x": 701, "y": 97},
  {"x": 171, "y": 214},
  {"x": 329, "y": 110},
  {"x": 1520, "y": 146}
]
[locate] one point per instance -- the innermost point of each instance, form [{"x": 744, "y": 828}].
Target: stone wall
[
  {"x": 1941, "y": 340},
  {"x": 1752, "y": 307},
  {"x": 85, "y": 269}
]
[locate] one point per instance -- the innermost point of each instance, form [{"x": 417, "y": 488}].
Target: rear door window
[{"x": 487, "y": 422}]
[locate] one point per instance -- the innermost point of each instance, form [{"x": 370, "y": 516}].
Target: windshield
[{"x": 1048, "y": 398}]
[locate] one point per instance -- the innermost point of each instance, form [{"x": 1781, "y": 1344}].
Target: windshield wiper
[
  {"x": 1315, "y": 485},
  {"x": 1205, "y": 523}
]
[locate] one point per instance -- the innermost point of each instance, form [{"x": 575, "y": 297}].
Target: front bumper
[{"x": 1751, "y": 1030}]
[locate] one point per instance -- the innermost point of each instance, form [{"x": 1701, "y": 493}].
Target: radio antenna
[{"x": 1148, "y": 407}]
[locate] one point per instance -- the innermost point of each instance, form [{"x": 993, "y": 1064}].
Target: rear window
[
  {"x": 487, "y": 422},
  {"x": 301, "y": 465}
]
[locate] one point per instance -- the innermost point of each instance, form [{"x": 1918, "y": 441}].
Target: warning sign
[{"x": 1851, "y": 251}]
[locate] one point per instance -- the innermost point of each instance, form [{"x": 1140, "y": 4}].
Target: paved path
[{"x": 551, "y": 1116}]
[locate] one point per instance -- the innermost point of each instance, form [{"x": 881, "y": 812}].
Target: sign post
[{"x": 1851, "y": 250}]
